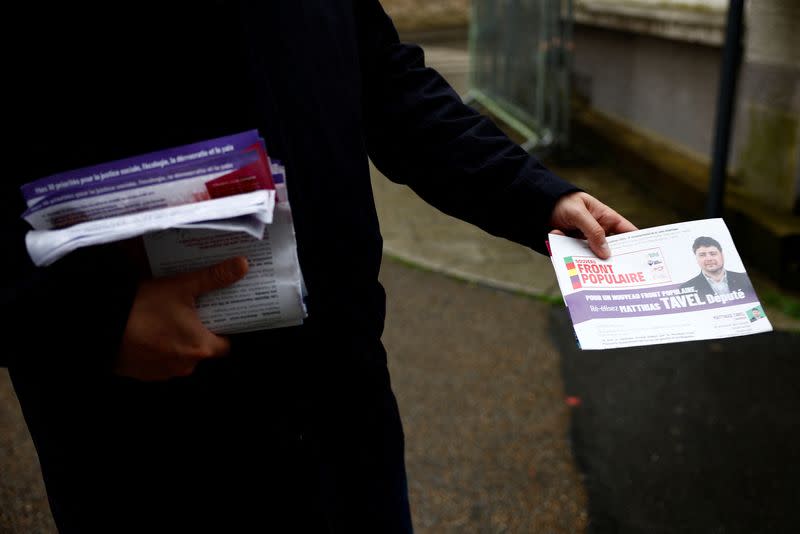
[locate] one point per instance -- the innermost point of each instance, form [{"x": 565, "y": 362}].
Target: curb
[{"x": 418, "y": 262}]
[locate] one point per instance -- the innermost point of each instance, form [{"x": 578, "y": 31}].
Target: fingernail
[
  {"x": 604, "y": 248},
  {"x": 240, "y": 266}
]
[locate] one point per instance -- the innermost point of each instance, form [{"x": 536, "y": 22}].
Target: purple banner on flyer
[
  {"x": 664, "y": 300},
  {"x": 226, "y": 163},
  {"x": 195, "y": 153}
]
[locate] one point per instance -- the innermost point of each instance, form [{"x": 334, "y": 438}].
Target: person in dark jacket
[
  {"x": 140, "y": 423},
  {"x": 714, "y": 279}
]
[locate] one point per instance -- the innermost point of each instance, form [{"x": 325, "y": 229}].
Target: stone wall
[
  {"x": 425, "y": 15},
  {"x": 767, "y": 128},
  {"x": 657, "y": 68}
]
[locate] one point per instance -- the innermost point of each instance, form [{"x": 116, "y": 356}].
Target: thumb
[{"x": 216, "y": 276}]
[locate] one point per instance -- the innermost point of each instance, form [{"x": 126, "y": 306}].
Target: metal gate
[{"x": 520, "y": 64}]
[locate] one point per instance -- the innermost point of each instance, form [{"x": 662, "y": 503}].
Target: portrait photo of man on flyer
[{"x": 713, "y": 278}]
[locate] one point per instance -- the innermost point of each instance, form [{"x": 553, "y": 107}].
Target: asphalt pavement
[
  {"x": 23, "y": 501},
  {"x": 510, "y": 428},
  {"x": 479, "y": 388},
  {"x": 696, "y": 437}
]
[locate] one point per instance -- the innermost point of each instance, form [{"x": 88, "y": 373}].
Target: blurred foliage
[{"x": 785, "y": 303}]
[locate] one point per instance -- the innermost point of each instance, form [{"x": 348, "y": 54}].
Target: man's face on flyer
[{"x": 710, "y": 260}]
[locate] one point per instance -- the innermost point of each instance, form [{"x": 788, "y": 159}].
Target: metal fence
[{"x": 520, "y": 63}]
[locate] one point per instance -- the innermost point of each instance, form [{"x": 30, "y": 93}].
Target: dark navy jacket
[{"x": 327, "y": 83}]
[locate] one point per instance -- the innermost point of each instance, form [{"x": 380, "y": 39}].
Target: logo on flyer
[
  {"x": 633, "y": 269},
  {"x": 573, "y": 272}
]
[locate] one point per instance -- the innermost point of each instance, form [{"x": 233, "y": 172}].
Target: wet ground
[
  {"x": 510, "y": 428},
  {"x": 479, "y": 387},
  {"x": 689, "y": 437}
]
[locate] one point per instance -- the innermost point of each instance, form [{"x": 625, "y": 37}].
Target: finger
[
  {"x": 610, "y": 220},
  {"x": 621, "y": 225},
  {"x": 215, "y": 277},
  {"x": 220, "y": 346},
  {"x": 213, "y": 346},
  {"x": 557, "y": 232},
  {"x": 593, "y": 232}
]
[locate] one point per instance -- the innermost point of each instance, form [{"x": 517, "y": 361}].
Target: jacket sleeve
[
  {"x": 65, "y": 317},
  {"x": 419, "y": 133}
]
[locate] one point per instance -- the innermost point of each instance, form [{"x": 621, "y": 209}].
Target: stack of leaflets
[
  {"x": 679, "y": 282},
  {"x": 195, "y": 206}
]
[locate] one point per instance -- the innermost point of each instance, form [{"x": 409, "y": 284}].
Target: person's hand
[
  {"x": 164, "y": 337},
  {"x": 581, "y": 215}
]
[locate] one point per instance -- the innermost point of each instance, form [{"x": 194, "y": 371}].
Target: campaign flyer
[{"x": 679, "y": 282}]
